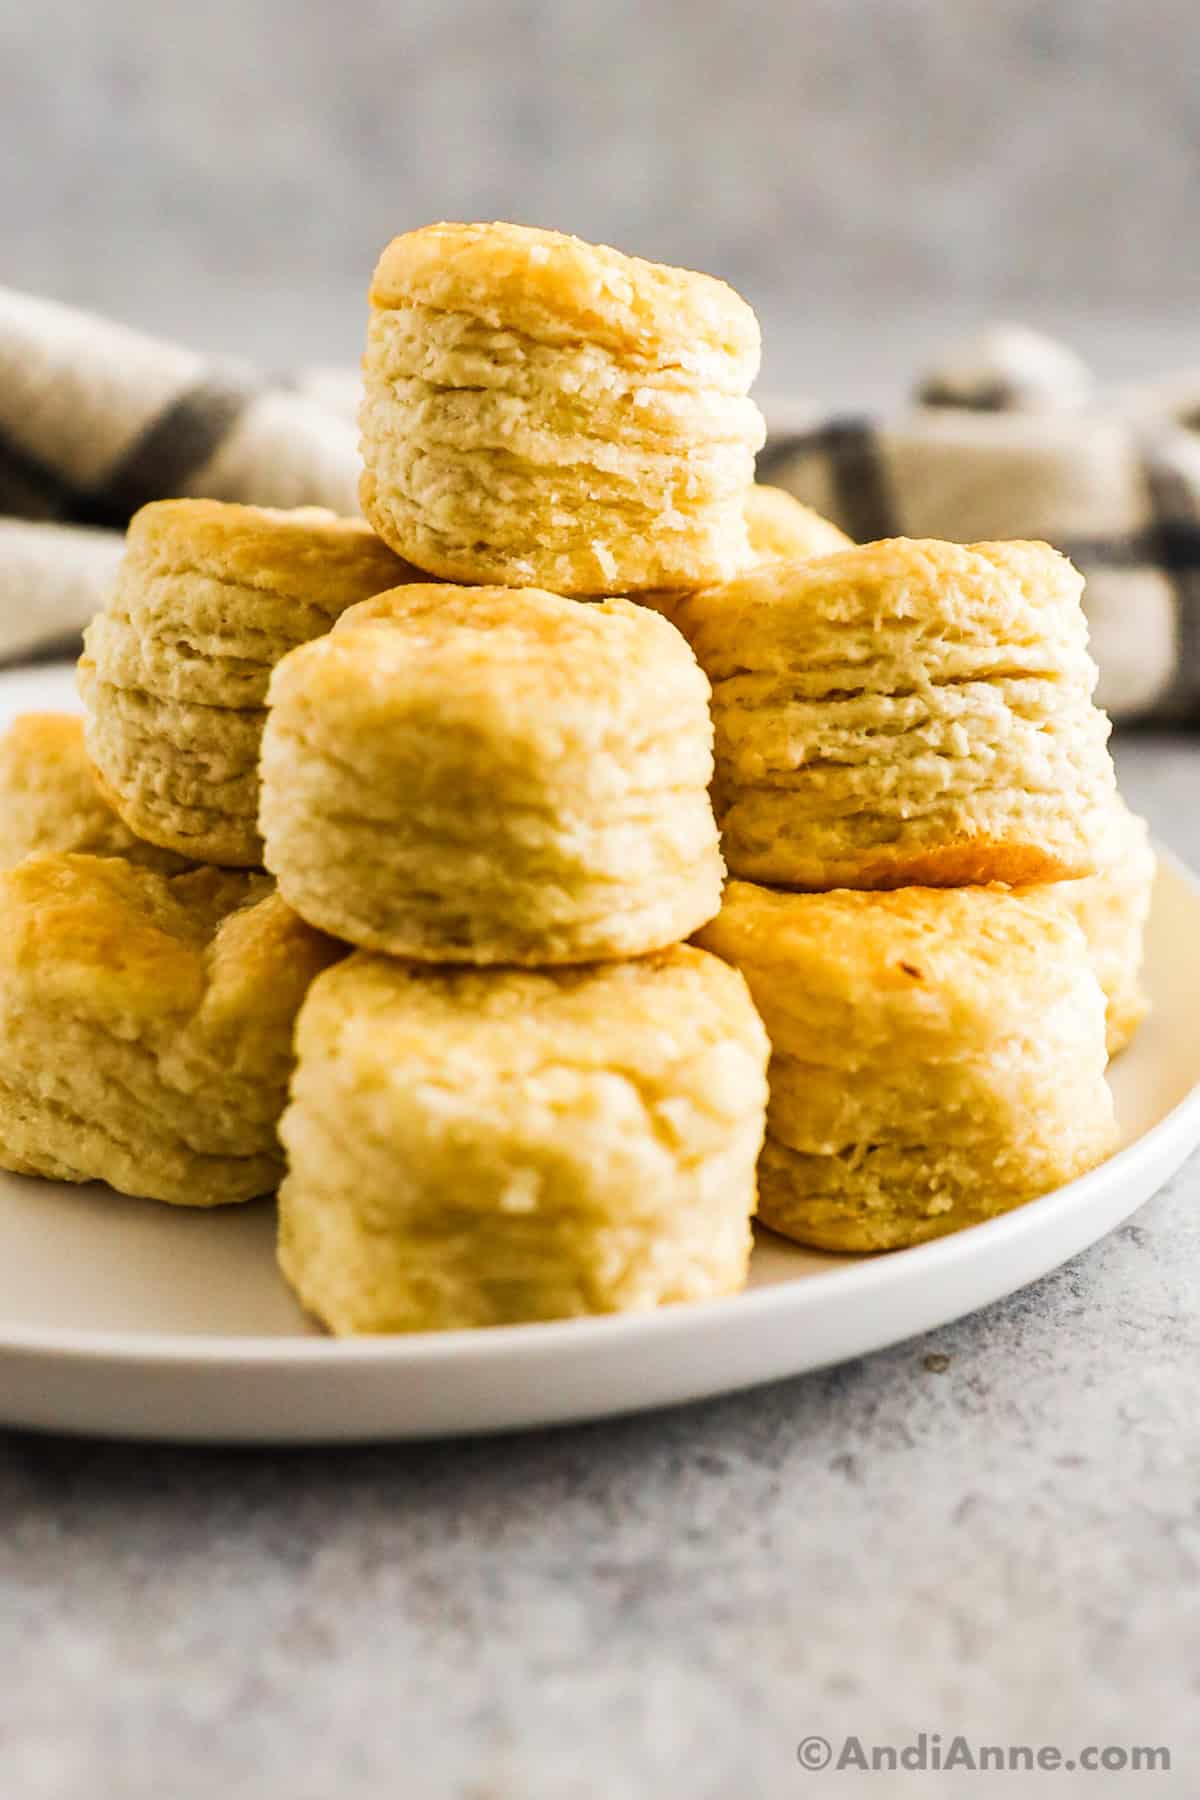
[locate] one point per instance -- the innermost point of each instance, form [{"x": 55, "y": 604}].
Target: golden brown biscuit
[
  {"x": 1111, "y": 908},
  {"x": 488, "y": 775},
  {"x": 50, "y": 799},
  {"x": 175, "y": 669},
  {"x": 539, "y": 411},
  {"x": 146, "y": 1025},
  {"x": 905, "y": 712},
  {"x": 481, "y": 1147},
  {"x": 937, "y": 1056}
]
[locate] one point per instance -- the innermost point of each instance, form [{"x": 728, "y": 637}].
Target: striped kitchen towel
[
  {"x": 96, "y": 419},
  {"x": 1008, "y": 438}
]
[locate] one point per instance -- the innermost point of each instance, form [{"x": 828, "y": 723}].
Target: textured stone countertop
[{"x": 993, "y": 1530}]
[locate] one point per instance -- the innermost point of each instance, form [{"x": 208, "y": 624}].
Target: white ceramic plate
[{"x": 124, "y": 1317}]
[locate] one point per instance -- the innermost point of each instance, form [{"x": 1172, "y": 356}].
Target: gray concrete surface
[{"x": 992, "y": 1531}]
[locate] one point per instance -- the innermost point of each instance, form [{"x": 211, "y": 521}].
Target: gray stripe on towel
[
  {"x": 170, "y": 450},
  {"x": 30, "y": 489},
  {"x": 1176, "y": 530},
  {"x": 849, "y": 448}
]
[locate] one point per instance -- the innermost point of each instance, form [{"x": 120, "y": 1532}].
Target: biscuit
[
  {"x": 488, "y": 775},
  {"x": 905, "y": 712},
  {"x": 780, "y": 529},
  {"x": 783, "y": 529},
  {"x": 482, "y": 1147},
  {"x": 938, "y": 1056},
  {"x": 146, "y": 1025},
  {"x": 50, "y": 800},
  {"x": 542, "y": 412},
  {"x": 1111, "y": 908},
  {"x": 175, "y": 669}
]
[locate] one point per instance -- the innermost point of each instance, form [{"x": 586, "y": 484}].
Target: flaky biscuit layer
[
  {"x": 174, "y": 674},
  {"x": 185, "y": 777},
  {"x": 471, "y": 1147},
  {"x": 146, "y": 1025},
  {"x": 938, "y": 1056},
  {"x": 905, "y": 712},
  {"x": 483, "y": 775}
]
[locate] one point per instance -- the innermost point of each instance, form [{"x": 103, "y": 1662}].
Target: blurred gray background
[{"x": 871, "y": 174}]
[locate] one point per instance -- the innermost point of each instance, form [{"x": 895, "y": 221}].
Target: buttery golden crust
[
  {"x": 175, "y": 669},
  {"x": 305, "y": 555},
  {"x": 943, "y": 970},
  {"x": 50, "y": 799},
  {"x": 471, "y": 1147},
  {"x": 905, "y": 712},
  {"x": 899, "y": 611},
  {"x": 539, "y": 411},
  {"x": 146, "y": 1025},
  {"x": 558, "y": 289},
  {"x": 937, "y": 1056},
  {"x": 483, "y": 775}
]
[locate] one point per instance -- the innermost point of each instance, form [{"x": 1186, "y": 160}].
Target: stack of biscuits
[
  {"x": 386, "y": 868},
  {"x": 938, "y": 896}
]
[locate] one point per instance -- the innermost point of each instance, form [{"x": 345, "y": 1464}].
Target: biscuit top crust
[
  {"x": 508, "y": 657},
  {"x": 781, "y": 526},
  {"x": 851, "y": 607},
  {"x": 937, "y": 972},
  {"x": 307, "y": 551},
  {"x": 127, "y": 946},
  {"x": 675, "y": 1021},
  {"x": 110, "y": 937},
  {"x": 560, "y": 289}
]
